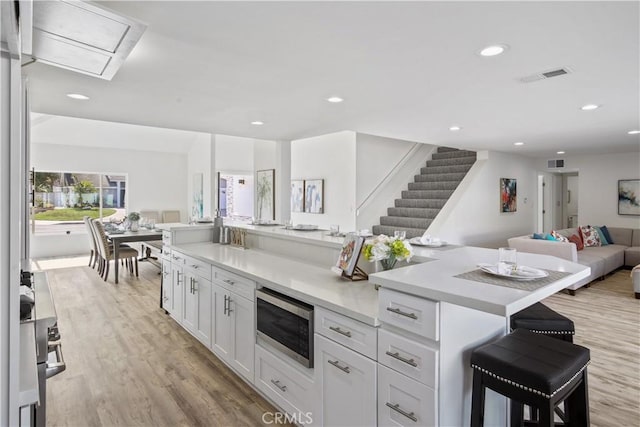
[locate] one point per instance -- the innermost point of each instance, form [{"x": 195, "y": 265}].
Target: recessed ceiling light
[
  {"x": 335, "y": 99},
  {"x": 518, "y": 143},
  {"x": 633, "y": 132},
  {"x": 589, "y": 107},
  {"x": 455, "y": 128},
  {"x": 77, "y": 96},
  {"x": 560, "y": 152},
  {"x": 257, "y": 123},
  {"x": 493, "y": 50}
]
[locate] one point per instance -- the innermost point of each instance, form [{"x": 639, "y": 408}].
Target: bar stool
[
  {"x": 534, "y": 370},
  {"x": 541, "y": 319}
]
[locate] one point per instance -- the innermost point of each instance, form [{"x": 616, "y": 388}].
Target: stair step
[
  {"x": 401, "y": 221},
  {"x": 427, "y": 194},
  {"x": 447, "y": 149},
  {"x": 452, "y": 154},
  {"x": 443, "y": 177},
  {"x": 445, "y": 169},
  {"x": 467, "y": 160},
  {"x": 413, "y": 212},
  {"x": 431, "y": 185},
  {"x": 420, "y": 203},
  {"x": 411, "y": 232}
]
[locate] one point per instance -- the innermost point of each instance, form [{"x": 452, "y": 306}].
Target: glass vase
[{"x": 388, "y": 263}]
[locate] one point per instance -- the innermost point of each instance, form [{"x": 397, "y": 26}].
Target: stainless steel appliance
[
  {"x": 286, "y": 324},
  {"x": 48, "y": 344}
]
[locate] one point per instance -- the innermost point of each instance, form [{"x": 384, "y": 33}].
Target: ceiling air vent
[
  {"x": 555, "y": 163},
  {"x": 545, "y": 75}
]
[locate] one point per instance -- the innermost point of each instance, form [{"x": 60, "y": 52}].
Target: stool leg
[
  {"x": 578, "y": 404},
  {"x": 546, "y": 415},
  {"x": 477, "y": 400}
]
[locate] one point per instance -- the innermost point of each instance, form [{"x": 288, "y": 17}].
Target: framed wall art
[
  {"x": 629, "y": 197},
  {"x": 265, "y": 194},
  {"x": 297, "y": 195},
  {"x": 314, "y": 196},
  {"x": 508, "y": 195}
]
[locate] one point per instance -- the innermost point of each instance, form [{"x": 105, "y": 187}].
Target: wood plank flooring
[{"x": 129, "y": 364}]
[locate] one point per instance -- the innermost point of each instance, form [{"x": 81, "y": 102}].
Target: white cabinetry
[
  {"x": 167, "y": 286},
  {"x": 233, "y": 328},
  {"x": 177, "y": 283},
  {"x": 347, "y": 382},
  {"x": 403, "y": 401},
  {"x": 196, "y": 313}
]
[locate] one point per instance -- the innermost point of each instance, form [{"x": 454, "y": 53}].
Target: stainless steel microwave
[{"x": 286, "y": 324}]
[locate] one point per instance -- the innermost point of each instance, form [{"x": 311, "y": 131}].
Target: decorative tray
[
  {"x": 416, "y": 241},
  {"x": 521, "y": 273}
]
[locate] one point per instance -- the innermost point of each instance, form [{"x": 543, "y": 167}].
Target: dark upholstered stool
[
  {"x": 534, "y": 370},
  {"x": 541, "y": 319}
]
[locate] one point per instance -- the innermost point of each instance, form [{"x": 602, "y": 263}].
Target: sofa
[{"x": 625, "y": 251}]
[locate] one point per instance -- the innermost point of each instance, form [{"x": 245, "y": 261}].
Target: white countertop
[
  {"x": 309, "y": 283},
  {"x": 359, "y": 300},
  {"x": 317, "y": 237},
  {"x": 435, "y": 280},
  {"x": 170, "y": 226}
]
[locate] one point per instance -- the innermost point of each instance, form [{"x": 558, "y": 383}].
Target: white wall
[
  {"x": 156, "y": 181},
  {"x": 330, "y": 157},
  {"x": 472, "y": 216},
  {"x": 598, "y": 186},
  {"x": 234, "y": 155},
  {"x": 200, "y": 160}
]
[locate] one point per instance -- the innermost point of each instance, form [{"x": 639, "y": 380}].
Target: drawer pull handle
[
  {"x": 402, "y": 313},
  {"x": 277, "y": 384},
  {"x": 229, "y": 282},
  {"x": 396, "y": 355},
  {"x": 195, "y": 266},
  {"x": 340, "y": 331},
  {"x": 401, "y": 411},
  {"x": 337, "y": 365}
]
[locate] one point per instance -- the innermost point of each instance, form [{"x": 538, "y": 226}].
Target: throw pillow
[
  {"x": 603, "y": 240},
  {"x": 548, "y": 236},
  {"x": 607, "y": 236},
  {"x": 575, "y": 239},
  {"x": 538, "y": 236},
  {"x": 590, "y": 236},
  {"x": 559, "y": 237}
]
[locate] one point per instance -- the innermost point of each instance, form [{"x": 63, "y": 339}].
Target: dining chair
[
  {"x": 148, "y": 215},
  {"x": 127, "y": 253},
  {"x": 93, "y": 257},
  {"x": 170, "y": 216}
]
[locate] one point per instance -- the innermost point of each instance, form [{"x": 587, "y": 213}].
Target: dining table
[{"x": 142, "y": 235}]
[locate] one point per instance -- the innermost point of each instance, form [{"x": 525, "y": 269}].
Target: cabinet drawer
[
  {"x": 408, "y": 357},
  {"x": 404, "y": 402},
  {"x": 200, "y": 268},
  {"x": 418, "y": 315},
  {"x": 348, "y": 332},
  {"x": 235, "y": 283},
  {"x": 290, "y": 389},
  {"x": 178, "y": 258}
]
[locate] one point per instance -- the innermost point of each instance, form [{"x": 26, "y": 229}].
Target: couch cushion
[
  {"x": 567, "y": 232},
  {"x": 613, "y": 256},
  {"x": 594, "y": 261},
  {"x": 632, "y": 256},
  {"x": 635, "y": 237},
  {"x": 621, "y": 236},
  {"x": 590, "y": 236}
]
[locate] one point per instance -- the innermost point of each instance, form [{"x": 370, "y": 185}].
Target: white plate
[
  {"x": 416, "y": 241},
  {"x": 521, "y": 273},
  {"x": 304, "y": 227}
]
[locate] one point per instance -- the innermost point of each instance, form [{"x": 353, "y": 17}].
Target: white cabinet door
[
  {"x": 177, "y": 283},
  {"x": 167, "y": 286},
  {"x": 221, "y": 323},
  {"x": 203, "y": 321},
  {"x": 404, "y": 402},
  {"x": 189, "y": 302},
  {"x": 347, "y": 381},
  {"x": 242, "y": 312}
]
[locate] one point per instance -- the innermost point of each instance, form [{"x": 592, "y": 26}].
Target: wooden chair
[
  {"x": 129, "y": 254},
  {"x": 93, "y": 258},
  {"x": 170, "y": 216}
]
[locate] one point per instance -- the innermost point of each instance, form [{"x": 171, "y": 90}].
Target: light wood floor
[{"x": 128, "y": 364}]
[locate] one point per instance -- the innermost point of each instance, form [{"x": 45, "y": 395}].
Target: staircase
[{"x": 430, "y": 190}]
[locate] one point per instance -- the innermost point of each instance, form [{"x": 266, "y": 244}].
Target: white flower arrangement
[{"x": 387, "y": 250}]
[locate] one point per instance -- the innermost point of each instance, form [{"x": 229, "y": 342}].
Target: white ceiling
[{"x": 406, "y": 70}]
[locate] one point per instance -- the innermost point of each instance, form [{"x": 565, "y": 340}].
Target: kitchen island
[{"x": 403, "y": 350}]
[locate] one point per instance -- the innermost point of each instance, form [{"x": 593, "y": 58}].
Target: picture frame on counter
[
  {"x": 265, "y": 194},
  {"x": 314, "y": 196},
  {"x": 347, "y": 264}
]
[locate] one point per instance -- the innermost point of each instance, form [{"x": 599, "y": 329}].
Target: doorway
[
  {"x": 235, "y": 195},
  {"x": 557, "y": 201}
]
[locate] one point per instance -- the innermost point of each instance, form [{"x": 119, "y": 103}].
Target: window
[{"x": 62, "y": 199}]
